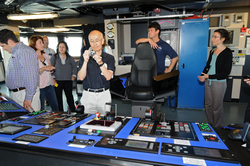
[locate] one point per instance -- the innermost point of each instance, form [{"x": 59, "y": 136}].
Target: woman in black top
[{"x": 215, "y": 73}]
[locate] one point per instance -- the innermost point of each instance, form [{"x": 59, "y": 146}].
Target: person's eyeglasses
[
  {"x": 96, "y": 40},
  {"x": 215, "y": 37}
]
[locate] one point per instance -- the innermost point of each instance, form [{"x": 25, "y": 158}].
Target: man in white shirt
[{"x": 48, "y": 50}]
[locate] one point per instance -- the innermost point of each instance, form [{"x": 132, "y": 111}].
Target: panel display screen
[
  {"x": 207, "y": 152},
  {"x": 10, "y": 129},
  {"x": 137, "y": 144}
]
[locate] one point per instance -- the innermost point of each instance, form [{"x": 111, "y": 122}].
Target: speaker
[{"x": 245, "y": 131}]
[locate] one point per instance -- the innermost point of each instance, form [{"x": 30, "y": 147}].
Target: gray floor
[{"x": 233, "y": 112}]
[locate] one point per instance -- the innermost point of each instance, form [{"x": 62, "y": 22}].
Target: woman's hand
[
  {"x": 203, "y": 77},
  {"x": 54, "y": 81},
  {"x": 50, "y": 68}
]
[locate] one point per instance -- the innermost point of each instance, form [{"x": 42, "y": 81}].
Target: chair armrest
[{"x": 166, "y": 75}]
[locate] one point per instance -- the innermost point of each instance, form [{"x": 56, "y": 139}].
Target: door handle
[{"x": 183, "y": 65}]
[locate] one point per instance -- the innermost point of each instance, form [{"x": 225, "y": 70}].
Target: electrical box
[
  {"x": 239, "y": 17},
  {"x": 239, "y": 55},
  {"x": 226, "y": 20}
]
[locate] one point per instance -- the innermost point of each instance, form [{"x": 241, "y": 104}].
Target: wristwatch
[{"x": 101, "y": 64}]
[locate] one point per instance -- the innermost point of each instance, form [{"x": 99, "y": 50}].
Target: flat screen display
[
  {"x": 10, "y": 129},
  {"x": 207, "y": 152},
  {"x": 137, "y": 144}
]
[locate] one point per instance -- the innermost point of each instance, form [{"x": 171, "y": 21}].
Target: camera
[
  {"x": 91, "y": 53},
  {"x": 246, "y": 77}
]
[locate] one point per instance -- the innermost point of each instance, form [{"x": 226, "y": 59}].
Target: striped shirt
[{"x": 23, "y": 70}]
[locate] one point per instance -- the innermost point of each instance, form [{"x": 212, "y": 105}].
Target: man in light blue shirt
[
  {"x": 22, "y": 76},
  {"x": 48, "y": 50}
]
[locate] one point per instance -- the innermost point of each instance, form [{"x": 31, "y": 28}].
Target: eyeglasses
[
  {"x": 96, "y": 40},
  {"x": 215, "y": 37}
]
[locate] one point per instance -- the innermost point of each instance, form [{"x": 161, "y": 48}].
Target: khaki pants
[
  {"x": 19, "y": 98},
  {"x": 214, "y": 95},
  {"x": 95, "y": 102}
]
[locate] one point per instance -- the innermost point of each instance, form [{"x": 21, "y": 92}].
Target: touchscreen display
[
  {"x": 137, "y": 144},
  {"x": 207, "y": 152},
  {"x": 10, "y": 129}
]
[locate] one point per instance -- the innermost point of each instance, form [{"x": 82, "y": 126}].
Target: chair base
[{"x": 141, "y": 109}]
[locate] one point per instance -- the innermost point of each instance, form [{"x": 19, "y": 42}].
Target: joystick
[{"x": 72, "y": 140}]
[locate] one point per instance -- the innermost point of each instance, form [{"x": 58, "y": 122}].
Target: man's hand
[
  {"x": 247, "y": 81},
  {"x": 73, "y": 78},
  {"x": 86, "y": 56},
  {"x": 98, "y": 59},
  {"x": 153, "y": 44},
  {"x": 27, "y": 105},
  {"x": 167, "y": 70}
]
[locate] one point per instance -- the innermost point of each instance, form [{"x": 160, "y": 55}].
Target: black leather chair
[
  {"x": 145, "y": 88},
  {"x": 143, "y": 69}
]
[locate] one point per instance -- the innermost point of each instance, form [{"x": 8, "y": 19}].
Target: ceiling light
[
  {"x": 71, "y": 25},
  {"x": 51, "y": 29},
  {"x": 32, "y": 16},
  {"x": 7, "y": 2}
]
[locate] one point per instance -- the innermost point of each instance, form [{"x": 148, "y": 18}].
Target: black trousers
[
  {"x": 67, "y": 87},
  {"x": 247, "y": 113}
]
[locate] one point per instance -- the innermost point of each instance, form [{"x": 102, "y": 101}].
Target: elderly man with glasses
[{"x": 96, "y": 70}]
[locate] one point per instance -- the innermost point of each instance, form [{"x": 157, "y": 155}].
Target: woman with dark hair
[
  {"x": 214, "y": 75},
  {"x": 46, "y": 82},
  {"x": 64, "y": 75}
]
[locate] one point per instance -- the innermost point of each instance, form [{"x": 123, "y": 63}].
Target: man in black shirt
[{"x": 96, "y": 71}]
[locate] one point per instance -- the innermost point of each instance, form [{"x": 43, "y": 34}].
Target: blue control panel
[{"x": 124, "y": 143}]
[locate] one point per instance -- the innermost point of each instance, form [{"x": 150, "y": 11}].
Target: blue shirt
[
  {"x": 94, "y": 78},
  {"x": 23, "y": 70},
  {"x": 212, "y": 69},
  {"x": 162, "y": 51}
]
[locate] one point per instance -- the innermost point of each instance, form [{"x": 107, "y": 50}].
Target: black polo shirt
[{"x": 94, "y": 78}]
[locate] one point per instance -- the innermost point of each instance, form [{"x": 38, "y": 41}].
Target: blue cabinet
[{"x": 192, "y": 60}]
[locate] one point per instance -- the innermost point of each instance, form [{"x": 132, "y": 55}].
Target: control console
[
  {"x": 198, "y": 152},
  {"x": 127, "y": 144}
]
